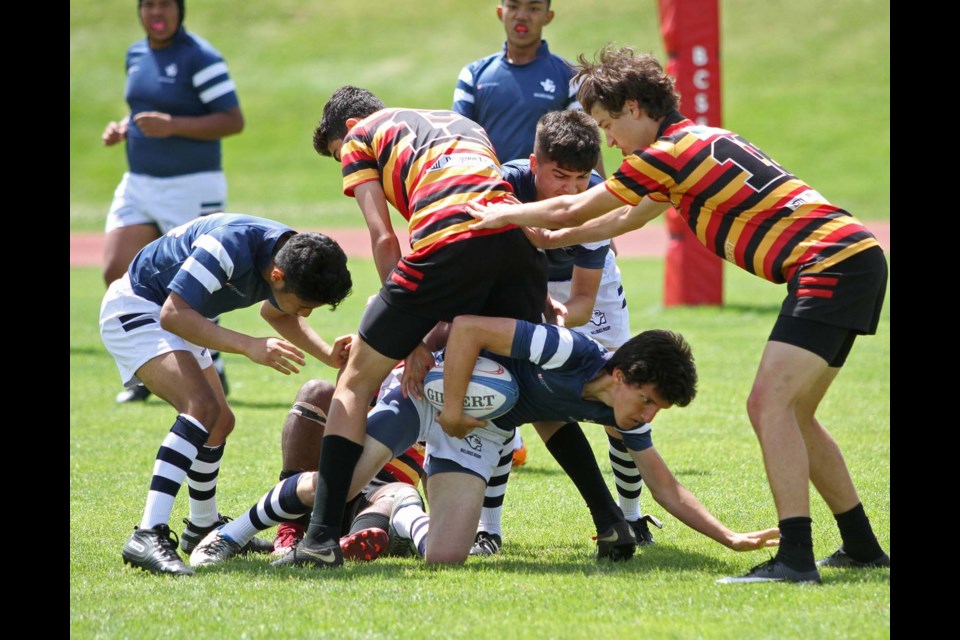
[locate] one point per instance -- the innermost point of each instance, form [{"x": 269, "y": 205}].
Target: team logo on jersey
[
  {"x": 548, "y": 85},
  {"x": 475, "y": 442},
  {"x": 171, "y": 69},
  {"x": 460, "y": 160},
  {"x": 598, "y": 318}
]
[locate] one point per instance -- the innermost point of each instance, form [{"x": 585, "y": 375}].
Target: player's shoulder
[
  {"x": 198, "y": 46},
  {"x": 480, "y": 65}
]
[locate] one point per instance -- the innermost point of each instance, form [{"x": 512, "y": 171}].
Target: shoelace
[
  {"x": 220, "y": 543},
  {"x": 167, "y": 540}
]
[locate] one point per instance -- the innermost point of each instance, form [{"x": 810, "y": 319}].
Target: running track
[{"x": 86, "y": 249}]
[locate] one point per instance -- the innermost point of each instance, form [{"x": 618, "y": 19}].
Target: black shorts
[
  {"x": 825, "y": 311},
  {"x": 497, "y": 275}
]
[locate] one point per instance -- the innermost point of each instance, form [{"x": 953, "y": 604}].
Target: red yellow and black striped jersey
[
  {"x": 739, "y": 202},
  {"x": 430, "y": 163},
  {"x": 407, "y": 467}
]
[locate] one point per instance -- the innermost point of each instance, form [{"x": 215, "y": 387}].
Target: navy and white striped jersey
[
  {"x": 214, "y": 263},
  {"x": 560, "y": 261},
  {"x": 187, "y": 78},
  {"x": 551, "y": 365},
  {"x": 507, "y": 99}
]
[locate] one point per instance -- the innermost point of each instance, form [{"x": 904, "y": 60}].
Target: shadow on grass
[
  {"x": 738, "y": 307},
  {"x": 659, "y": 559},
  {"x": 523, "y": 559}
]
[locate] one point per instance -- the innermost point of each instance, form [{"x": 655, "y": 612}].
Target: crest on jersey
[
  {"x": 548, "y": 85},
  {"x": 171, "y": 69}
]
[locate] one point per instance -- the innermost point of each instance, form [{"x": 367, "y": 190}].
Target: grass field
[
  {"x": 545, "y": 584},
  {"x": 808, "y": 82}
]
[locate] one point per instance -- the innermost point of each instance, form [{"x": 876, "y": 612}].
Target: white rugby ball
[{"x": 491, "y": 392}]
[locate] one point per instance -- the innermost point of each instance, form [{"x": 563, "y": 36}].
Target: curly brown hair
[{"x": 622, "y": 74}]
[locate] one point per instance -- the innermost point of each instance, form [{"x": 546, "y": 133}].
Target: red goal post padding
[{"x": 693, "y": 275}]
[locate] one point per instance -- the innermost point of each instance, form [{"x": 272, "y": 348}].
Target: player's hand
[
  {"x": 458, "y": 424},
  {"x": 556, "y": 313},
  {"x": 154, "y": 124},
  {"x": 277, "y": 354},
  {"x": 415, "y": 368},
  {"x": 114, "y": 132},
  {"x": 489, "y": 216},
  {"x": 755, "y": 540},
  {"x": 340, "y": 351}
]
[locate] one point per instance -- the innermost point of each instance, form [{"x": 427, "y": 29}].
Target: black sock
[
  {"x": 338, "y": 460},
  {"x": 370, "y": 520},
  {"x": 796, "y": 544},
  {"x": 572, "y": 450},
  {"x": 859, "y": 541}
]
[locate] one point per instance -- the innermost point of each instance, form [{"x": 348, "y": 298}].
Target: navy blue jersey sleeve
[
  {"x": 638, "y": 438},
  {"x": 463, "y": 95},
  {"x": 216, "y": 256},
  {"x": 211, "y": 79},
  {"x": 552, "y": 347}
]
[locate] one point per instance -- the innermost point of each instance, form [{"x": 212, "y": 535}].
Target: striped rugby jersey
[
  {"x": 213, "y": 262},
  {"x": 739, "y": 202},
  {"x": 187, "y": 78},
  {"x": 430, "y": 164},
  {"x": 551, "y": 365}
]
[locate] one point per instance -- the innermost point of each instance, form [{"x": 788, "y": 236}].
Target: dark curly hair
[
  {"x": 314, "y": 269},
  {"x": 345, "y": 103},
  {"x": 570, "y": 137},
  {"x": 622, "y": 74},
  {"x": 661, "y": 358}
]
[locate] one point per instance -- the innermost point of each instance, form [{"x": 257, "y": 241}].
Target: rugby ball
[{"x": 492, "y": 391}]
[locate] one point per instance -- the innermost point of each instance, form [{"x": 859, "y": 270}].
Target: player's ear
[
  {"x": 276, "y": 275},
  {"x": 533, "y": 162},
  {"x": 549, "y": 18},
  {"x": 351, "y": 122},
  {"x": 499, "y": 12}
]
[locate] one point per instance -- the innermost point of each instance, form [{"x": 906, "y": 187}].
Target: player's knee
[
  {"x": 445, "y": 556},
  {"x": 317, "y": 393}
]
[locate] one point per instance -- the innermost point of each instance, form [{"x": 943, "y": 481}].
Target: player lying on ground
[
  {"x": 300, "y": 449},
  {"x": 560, "y": 373},
  {"x": 365, "y": 523}
]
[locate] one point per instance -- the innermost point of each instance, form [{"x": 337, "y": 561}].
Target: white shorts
[
  {"x": 130, "y": 330},
  {"x": 478, "y": 453},
  {"x": 166, "y": 202},
  {"x": 610, "y": 323}
]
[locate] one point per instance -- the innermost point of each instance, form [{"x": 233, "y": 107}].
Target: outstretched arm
[
  {"x": 609, "y": 225},
  {"x": 177, "y": 316},
  {"x": 552, "y": 213},
  {"x": 299, "y": 332},
  {"x": 682, "y": 504},
  {"x": 468, "y": 335}
]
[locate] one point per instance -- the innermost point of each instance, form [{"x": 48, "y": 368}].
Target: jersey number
[{"x": 761, "y": 168}]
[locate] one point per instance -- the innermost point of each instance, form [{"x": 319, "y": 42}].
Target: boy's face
[
  {"x": 334, "y": 148},
  {"x": 524, "y": 20},
  {"x": 160, "y": 19},
  {"x": 635, "y": 404},
  {"x": 552, "y": 180},
  {"x": 631, "y": 131},
  {"x": 289, "y": 303}
]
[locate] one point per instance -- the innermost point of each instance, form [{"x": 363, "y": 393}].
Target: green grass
[
  {"x": 808, "y": 82},
  {"x": 545, "y": 583}
]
